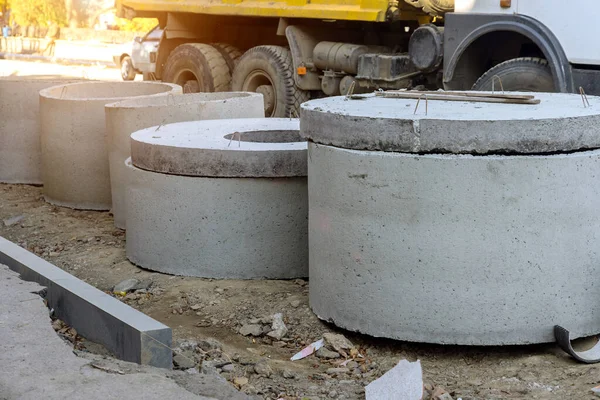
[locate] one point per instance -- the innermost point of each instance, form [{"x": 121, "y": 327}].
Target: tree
[{"x": 38, "y": 12}]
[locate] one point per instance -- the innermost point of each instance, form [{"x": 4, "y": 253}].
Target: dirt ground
[{"x": 86, "y": 244}]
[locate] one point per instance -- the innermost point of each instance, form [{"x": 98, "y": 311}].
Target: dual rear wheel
[{"x": 218, "y": 67}]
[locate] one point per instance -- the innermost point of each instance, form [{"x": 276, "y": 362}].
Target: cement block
[
  {"x": 75, "y": 167},
  {"x": 457, "y": 249},
  {"x": 129, "y": 334},
  {"x": 258, "y": 148},
  {"x": 229, "y": 228},
  {"x": 125, "y": 117},
  {"x": 20, "y": 153},
  {"x": 559, "y": 123}
]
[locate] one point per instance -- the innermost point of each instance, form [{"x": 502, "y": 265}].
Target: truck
[{"x": 294, "y": 50}]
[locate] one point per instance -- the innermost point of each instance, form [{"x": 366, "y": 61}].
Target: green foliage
[
  {"x": 137, "y": 24},
  {"x": 38, "y": 12}
]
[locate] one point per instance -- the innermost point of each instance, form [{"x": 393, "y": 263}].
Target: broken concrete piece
[
  {"x": 262, "y": 368},
  {"x": 327, "y": 354},
  {"x": 251, "y": 330},
  {"x": 184, "y": 361},
  {"x": 126, "y": 286},
  {"x": 403, "y": 382},
  {"x": 13, "y": 220},
  {"x": 279, "y": 330},
  {"x": 337, "y": 342}
]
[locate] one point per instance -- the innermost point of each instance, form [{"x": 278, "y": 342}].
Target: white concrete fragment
[
  {"x": 125, "y": 117},
  {"x": 75, "y": 167},
  {"x": 20, "y": 153},
  {"x": 403, "y": 382}
]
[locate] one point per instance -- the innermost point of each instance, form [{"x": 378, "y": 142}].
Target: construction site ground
[{"x": 86, "y": 244}]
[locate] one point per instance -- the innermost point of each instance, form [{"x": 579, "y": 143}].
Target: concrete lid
[
  {"x": 257, "y": 147},
  {"x": 559, "y": 123}
]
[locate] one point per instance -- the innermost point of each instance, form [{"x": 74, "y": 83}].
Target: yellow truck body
[{"x": 349, "y": 10}]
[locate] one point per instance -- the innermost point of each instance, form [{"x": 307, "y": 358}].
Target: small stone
[
  {"x": 333, "y": 394},
  {"x": 240, "y": 381},
  {"x": 54, "y": 254},
  {"x": 327, "y": 354},
  {"x": 337, "y": 371},
  {"x": 263, "y": 369},
  {"x": 300, "y": 282},
  {"x": 278, "y": 328},
  {"x": 210, "y": 344},
  {"x": 192, "y": 371},
  {"x": 126, "y": 286},
  {"x": 337, "y": 342},
  {"x": 287, "y": 374},
  {"x": 208, "y": 368},
  {"x": 196, "y": 307},
  {"x": 219, "y": 290},
  {"x": 141, "y": 302},
  {"x": 295, "y": 303},
  {"x": 13, "y": 220},
  {"x": 445, "y": 396},
  {"x": 251, "y": 330},
  {"x": 184, "y": 361},
  {"x": 228, "y": 368},
  {"x": 351, "y": 365}
]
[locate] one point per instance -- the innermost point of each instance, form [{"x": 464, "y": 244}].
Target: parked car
[{"x": 139, "y": 57}]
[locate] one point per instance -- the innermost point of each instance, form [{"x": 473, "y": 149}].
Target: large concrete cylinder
[
  {"x": 20, "y": 156},
  {"x": 75, "y": 167},
  {"x": 125, "y": 117},
  {"x": 475, "y": 249},
  {"x": 219, "y": 199}
]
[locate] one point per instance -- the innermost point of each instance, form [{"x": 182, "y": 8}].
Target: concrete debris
[
  {"x": 287, "y": 374},
  {"x": 210, "y": 344},
  {"x": 337, "y": 371},
  {"x": 262, "y": 368},
  {"x": 295, "y": 303},
  {"x": 228, "y": 368},
  {"x": 279, "y": 330},
  {"x": 337, "y": 342},
  {"x": 308, "y": 350},
  {"x": 13, "y": 220},
  {"x": 184, "y": 361},
  {"x": 187, "y": 345},
  {"x": 403, "y": 382},
  {"x": 327, "y": 354},
  {"x": 240, "y": 381},
  {"x": 251, "y": 330},
  {"x": 209, "y": 368},
  {"x": 129, "y": 285}
]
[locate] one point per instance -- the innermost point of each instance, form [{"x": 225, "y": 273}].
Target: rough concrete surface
[
  {"x": 559, "y": 123},
  {"x": 20, "y": 153},
  {"x": 35, "y": 363},
  {"x": 238, "y": 228},
  {"x": 126, "y": 332},
  {"x": 125, "y": 117},
  {"x": 258, "y": 148},
  {"x": 460, "y": 249},
  {"x": 75, "y": 167}
]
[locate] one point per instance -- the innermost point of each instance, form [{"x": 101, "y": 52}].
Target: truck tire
[
  {"x": 433, "y": 7},
  {"x": 127, "y": 70},
  {"x": 525, "y": 74},
  {"x": 197, "y": 67},
  {"x": 269, "y": 70},
  {"x": 230, "y": 53}
]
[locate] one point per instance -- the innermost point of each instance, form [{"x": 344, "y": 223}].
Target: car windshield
[{"x": 154, "y": 35}]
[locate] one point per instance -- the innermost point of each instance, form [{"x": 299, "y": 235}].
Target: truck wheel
[
  {"x": 433, "y": 7},
  {"x": 199, "y": 67},
  {"x": 230, "y": 53},
  {"x": 526, "y": 74},
  {"x": 127, "y": 69},
  {"x": 269, "y": 70}
]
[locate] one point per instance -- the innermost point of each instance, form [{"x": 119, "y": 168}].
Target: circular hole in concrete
[{"x": 266, "y": 136}]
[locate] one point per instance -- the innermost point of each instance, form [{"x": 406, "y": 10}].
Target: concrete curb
[
  {"x": 129, "y": 334},
  {"x": 62, "y": 61}
]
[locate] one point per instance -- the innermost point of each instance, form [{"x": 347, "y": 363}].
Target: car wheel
[
  {"x": 127, "y": 70},
  {"x": 526, "y": 74}
]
